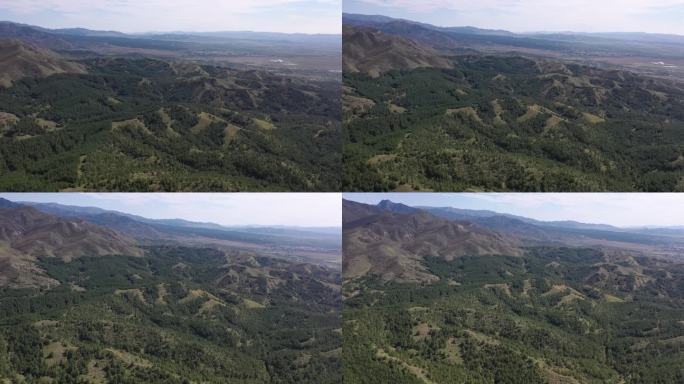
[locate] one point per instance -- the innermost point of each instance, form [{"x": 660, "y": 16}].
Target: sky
[
  {"x": 654, "y": 16},
  {"x": 231, "y": 209},
  {"x": 135, "y": 16},
  {"x": 618, "y": 209}
]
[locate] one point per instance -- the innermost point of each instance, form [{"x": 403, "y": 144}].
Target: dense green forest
[
  {"x": 150, "y": 125},
  {"x": 510, "y": 123},
  {"x": 177, "y": 315},
  {"x": 556, "y": 315}
]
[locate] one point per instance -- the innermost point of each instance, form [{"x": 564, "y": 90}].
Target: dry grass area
[
  {"x": 129, "y": 359},
  {"x": 396, "y": 109},
  {"x": 416, "y": 371},
  {"x": 46, "y": 323},
  {"x": 498, "y": 111},
  {"x": 612, "y": 299},
  {"x": 251, "y": 304},
  {"x": 532, "y": 112},
  {"x": 209, "y": 306},
  {"x": 76, "y": 288},
  {"x": 552, "y": 122},
  {"x": 527, "y": 285},
  {"x": 131, "y": 294},
  {"x": 303, "y": 359},
  {"x": 263, "y": 124},
  {"x": 379, "y": 159},
  {"x": 505, "y": 288},
  {"x": 452, "y": 350},
  {"x": 230, "y": 133},
  {"x": 96, "y": 374},
  {"x": 355, "y": 104},
  {"x": 162, "y": 293},
  {"x": 205, "y": 120},
  {"x": 421, "y": 331},
  {"x": 556, "y": 378},
  {"x": 7, "y": 119},
  {"x": 592, "y": 119},
  {"x": 131, "y": 123},
  {"x": 466, "y": 112},
  {"x": 54, "y": 353},
  {"x": 196, "y": 294},
  {"x": 482, "y": 338}
]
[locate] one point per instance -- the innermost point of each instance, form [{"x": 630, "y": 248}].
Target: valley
[
  {"x": 513, "y": 300},
  {"x": 169, "y": 111}
]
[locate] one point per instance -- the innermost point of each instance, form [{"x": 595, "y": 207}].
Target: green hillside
[
  {"x": 151, "y": 125},
  {"x": 510, "y": 123},
  {"x": 555, "y": 315},
  {"x": 176, "y": 315}
]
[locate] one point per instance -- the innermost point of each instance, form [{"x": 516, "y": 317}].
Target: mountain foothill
[
  {"x": 429, "y": 108},
  {"x": 91, "y": 295},
  {"x": 444, "y": 295},
  {"x": 173, "y": 112}
]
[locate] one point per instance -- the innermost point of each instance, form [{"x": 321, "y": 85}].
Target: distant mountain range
[
  {"x": 390, "y": 22},
  {"x": 226, "y": 34},
  {"x": 595, "y": 47},
  {"x": 76, "y": 40},
  {"x": 29, "y": 231},
  {"x": 392, "y": 240}
]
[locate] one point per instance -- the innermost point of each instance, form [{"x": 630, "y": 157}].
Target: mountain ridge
[{"x": 392, "y": 245}]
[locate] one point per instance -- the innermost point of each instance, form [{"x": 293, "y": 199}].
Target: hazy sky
[
  {"x": 619, "y": 209},
  {"x": 305, "y": 16},
  {"x": 657, "y": 16},
  {"x": 292, "y": 209}
]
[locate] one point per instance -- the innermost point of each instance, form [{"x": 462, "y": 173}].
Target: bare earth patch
[
  {"x": 416, "y": 371},
  {"x": 378, "y": 159}
]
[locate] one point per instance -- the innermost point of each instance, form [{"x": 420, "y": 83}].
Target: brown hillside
[
  {"x": 20, "y": 59},
  {"x": 26, "y": 233},
  {"x": 373, "y": 52},
  {"x": 393, "y": 246}
]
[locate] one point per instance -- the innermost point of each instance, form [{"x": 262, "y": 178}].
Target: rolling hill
[
  {"x": 392, "y": 245},
  {"x": 550, "y": 310},
  {"x": 19, "y": 60},
  {"x": 83, "y": 302},
  {"x": 372, "y": 52},
  {"x": 27, "y": 234},
  {"x": 172, "y": 115},
  {"x": 510, "y": 121}
]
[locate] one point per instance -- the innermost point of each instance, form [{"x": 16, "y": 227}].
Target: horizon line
[
  {"x": 420, "y": 207},
  {"x": 166, "y": 32},
  {"x": 511, "y": 31},
  {"x": 27, "y": 202}
]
